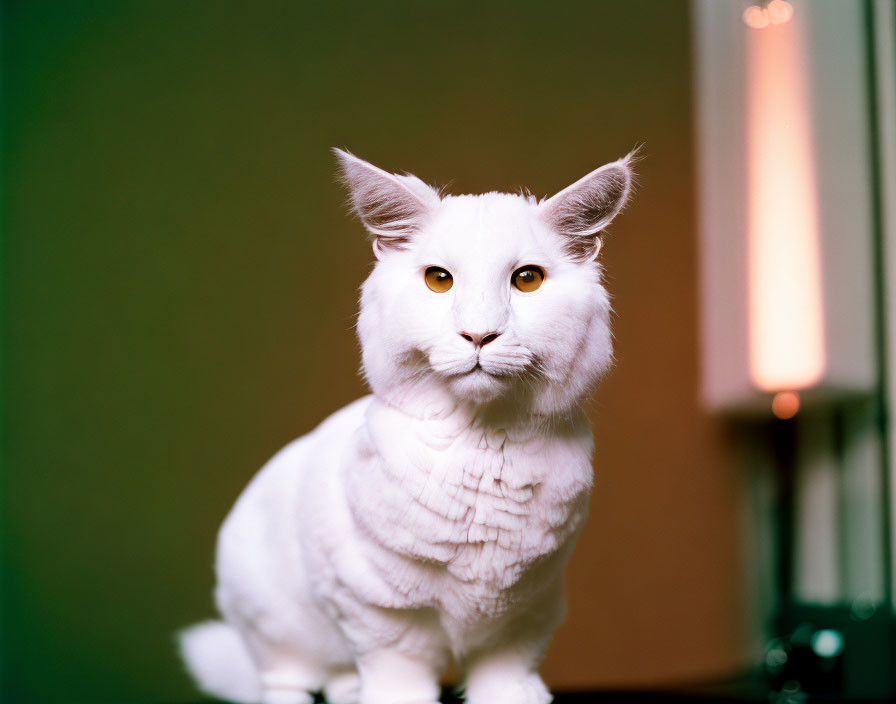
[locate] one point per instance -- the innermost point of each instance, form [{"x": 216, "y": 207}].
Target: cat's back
[
  {"x": 263, "y": 519},
  {"x": 288, "y": 467}
]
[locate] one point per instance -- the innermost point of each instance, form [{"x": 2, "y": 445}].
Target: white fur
[
  {"x": 434, "y": 518},
  {"x": 220, "y": 661}
]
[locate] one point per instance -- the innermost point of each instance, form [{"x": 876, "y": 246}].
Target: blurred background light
[
  {"x": 795, "y": 134},
  {"x": 785, "y": 404},
  {"x": 786, "y": 335},
  {"x": 756, "y": 17},
  {"x": 762, "y": 15},
  {"x": 827, "y": 643}
]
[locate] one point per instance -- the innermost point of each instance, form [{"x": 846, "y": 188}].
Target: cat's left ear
[
  {"x": 393, "y": 207},
  {"x": 580, "y": 212}
]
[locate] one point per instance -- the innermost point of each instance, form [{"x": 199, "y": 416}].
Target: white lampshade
[{"x": 783, "y": 203}]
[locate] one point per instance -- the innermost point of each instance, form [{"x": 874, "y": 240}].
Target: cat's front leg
[
  {"x": 505, "y": 678},
  {"x": 400, "y": 653},
  {"x": 393, "y": 676},
  {"x": 506, "y": 670}
]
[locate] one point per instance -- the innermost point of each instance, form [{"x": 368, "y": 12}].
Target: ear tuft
[
  {"x": 392, "y": 207},
  {"x": 583, "y": 210}
]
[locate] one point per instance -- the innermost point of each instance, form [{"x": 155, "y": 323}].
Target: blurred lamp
[
  {"x": 792, "y": 120},
  {"x": 766, "y": 13},
  {"x": 785, "y": 245}
]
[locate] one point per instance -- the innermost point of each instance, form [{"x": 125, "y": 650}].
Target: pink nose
[{"x": 480, "y": 339}]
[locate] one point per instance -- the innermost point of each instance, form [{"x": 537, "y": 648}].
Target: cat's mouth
[
  {"x": 476, "y": 370},
  {"x": 479, "y": 369},
  {"x": 481, "y": 380},
  {"x": 498, "y": 369}
]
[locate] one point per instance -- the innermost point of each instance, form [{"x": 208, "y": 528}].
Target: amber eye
[
  {"x": 438, "y": 279},
  {"x": 528, "y": 278}
]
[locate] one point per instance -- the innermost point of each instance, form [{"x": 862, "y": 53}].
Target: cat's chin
[{"x": 478, "y": 386}]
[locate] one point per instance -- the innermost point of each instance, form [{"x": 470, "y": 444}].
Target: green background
[{"x": 181, "y": 280}]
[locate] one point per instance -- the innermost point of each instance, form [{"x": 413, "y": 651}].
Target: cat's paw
[
  {"x": 282, "y": 695},
  {"x": 527, "y": 689},
  {"x": 396, "y": 697},
  {"x": 344, "y": 688}
]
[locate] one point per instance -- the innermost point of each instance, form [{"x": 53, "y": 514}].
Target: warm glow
[
  {"x": 776, "y": 12},
  {"x": 786, "y": 341},
  {"x": 785, "y": 404},
  {"x": 756, "y": 17},
  {"x": 779, "y": 11}
]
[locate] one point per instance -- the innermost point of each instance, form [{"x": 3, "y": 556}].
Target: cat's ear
[
  {"x": 393, "y": 207},
  {"x": 580, "y": 212}
]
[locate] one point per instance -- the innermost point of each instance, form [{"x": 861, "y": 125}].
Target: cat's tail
[{"x": 216, "y": 657}]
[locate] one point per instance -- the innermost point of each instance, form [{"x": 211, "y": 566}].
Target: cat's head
[{"x": 485, "y": 298}]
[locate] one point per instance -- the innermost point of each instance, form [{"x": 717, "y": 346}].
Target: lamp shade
[{"x": 784, "y": 209}]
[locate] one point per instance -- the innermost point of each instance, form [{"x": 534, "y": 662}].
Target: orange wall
[{"x": 654, "y": 586}]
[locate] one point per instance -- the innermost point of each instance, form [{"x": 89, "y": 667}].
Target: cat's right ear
[{"x": 392, "y": 207}]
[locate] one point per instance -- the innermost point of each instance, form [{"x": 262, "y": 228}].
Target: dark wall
[{"x": 180, "y": 283}]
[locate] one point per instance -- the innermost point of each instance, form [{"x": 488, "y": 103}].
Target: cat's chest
[
  {"x": 445, "y": 493},
  {"x": 478, "y": 504}
]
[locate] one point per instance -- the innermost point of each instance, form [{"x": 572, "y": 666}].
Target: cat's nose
[{"x": 480, "y": 339}]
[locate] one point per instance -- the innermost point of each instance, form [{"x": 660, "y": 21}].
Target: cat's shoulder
[{"x": 351, "y": 415}]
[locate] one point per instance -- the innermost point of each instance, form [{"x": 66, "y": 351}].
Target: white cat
[{"x": 433, "y": 518}]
